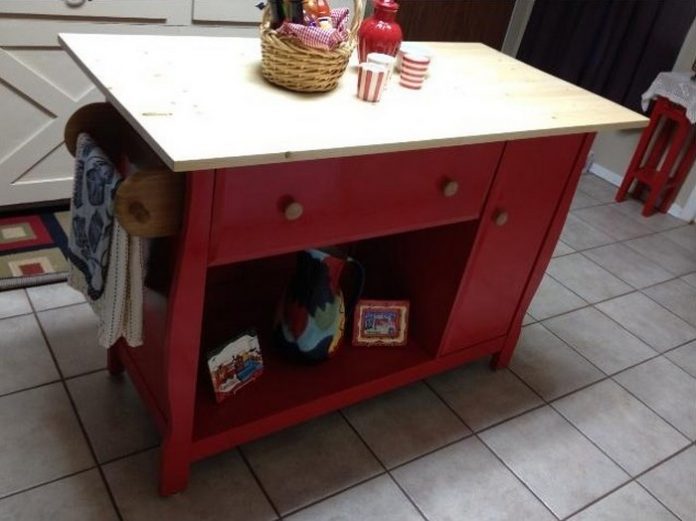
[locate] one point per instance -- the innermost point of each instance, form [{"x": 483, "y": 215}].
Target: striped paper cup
[
  {"x": 371, "y": 80},
  {"x": 414, "y": 49},
  {"x": 413, "y": 70}
]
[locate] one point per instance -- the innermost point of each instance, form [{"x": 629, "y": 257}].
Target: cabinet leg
[
  {"x": 175, "y": 468},
  {"x": 113, "y": 361}
]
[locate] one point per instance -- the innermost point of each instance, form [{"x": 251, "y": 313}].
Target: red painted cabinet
[{"x": 528, "y": 186}]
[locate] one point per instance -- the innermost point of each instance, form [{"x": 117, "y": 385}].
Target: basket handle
[{"x": 358, "y": 14}]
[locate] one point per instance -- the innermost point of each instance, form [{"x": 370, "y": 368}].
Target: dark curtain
[{"x": 614, "y": 48}]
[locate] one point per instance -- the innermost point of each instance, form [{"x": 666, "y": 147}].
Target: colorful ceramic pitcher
[{"x": 314, "y": 310}]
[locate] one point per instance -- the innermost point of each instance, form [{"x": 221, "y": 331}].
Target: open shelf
[{"x": 424, "y": 267}]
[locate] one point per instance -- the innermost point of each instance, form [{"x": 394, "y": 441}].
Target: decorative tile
[
  {"x": 41, "y": 439},
  {"x": 614, "y": 223},
  {"x": 377, "y": 500},
  {"x": 556, "y": 462},
  {"x": 13, "y": 303},
  {"x": 631, "y": 502},
  {"x": 580, "y": 236},
  {"x": 562, "y": 249},
  {"x": 483, "y": 397},
  {"x": 72, "y": 336},
  {"x": 113, "y": 415},
  {"x": 674, "y": 482},
  {"x": 220, "y": 488},
  {"x": 625, "y": 429},
  {"x": 54, "y": 296},
  {"x": 548, "y": 365},
  {"x": 465, "y": 482},
  {"x": 599, "y": 339},
  {"x": 82, "y": 496},
  {"x": 552, "y": 298},
  {"x": 649, "y": 321},
  {"x": 678, "y": 297},
  {"x": 406, "y": 423},
  {"x": 666, "y": 389},
  {"x": 629, "y": 265},
  {"x": 306, "y": 463},
  {"x": 585, "y": 278},
  {"x": 597, "y": 188},
  {"x": 685, "y": 357},
  {"x": 669, "y": 255},
  {"x": 24, "y": 357}
]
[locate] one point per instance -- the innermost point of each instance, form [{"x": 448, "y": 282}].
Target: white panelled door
[{"x": 40, "y": 86}]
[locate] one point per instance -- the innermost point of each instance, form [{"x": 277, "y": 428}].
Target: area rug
[{"x": 33, "y": 248}]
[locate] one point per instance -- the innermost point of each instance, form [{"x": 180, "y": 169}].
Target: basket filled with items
[{"x": 306, "y": 45}]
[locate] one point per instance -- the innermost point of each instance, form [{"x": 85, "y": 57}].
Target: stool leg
[
  {"x": 680, "y": 174},
  {"x": 637, "y": 158},
  {"x": 661, "y": 175},
  {"x": 658, "y": 150}
]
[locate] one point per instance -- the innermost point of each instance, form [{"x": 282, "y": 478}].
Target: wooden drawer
[{"x": 345, "y": 199}]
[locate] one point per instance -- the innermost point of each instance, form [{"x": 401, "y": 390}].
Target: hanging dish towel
[{"x": 106, "y": 264}]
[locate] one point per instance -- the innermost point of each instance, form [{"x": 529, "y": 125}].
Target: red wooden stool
[{"x": 672, "y": 139}]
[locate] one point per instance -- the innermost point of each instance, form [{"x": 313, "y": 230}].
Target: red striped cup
[
  {"x": 413, "y": 70},
  {"x": 371, "y": 80}
]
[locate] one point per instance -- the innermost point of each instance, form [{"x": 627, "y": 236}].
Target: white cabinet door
[{"x": 40, "y": 86}]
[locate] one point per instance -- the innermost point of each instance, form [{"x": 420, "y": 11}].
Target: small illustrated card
[
  {"x": 381, "y": 323},
  {"x": 235, "y": 364}
]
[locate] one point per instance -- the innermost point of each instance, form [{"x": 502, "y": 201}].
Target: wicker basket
[{"x": 290, "y": 64}]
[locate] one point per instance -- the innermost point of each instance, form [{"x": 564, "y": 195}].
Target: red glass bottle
[{"x": 380, "y": 32}]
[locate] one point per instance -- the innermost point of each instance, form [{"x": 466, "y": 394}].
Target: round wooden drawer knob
[
  {"x": 293, "y": 211},
  {"x": 450, "y": 188},
  {"x": 501, "y": 218}
]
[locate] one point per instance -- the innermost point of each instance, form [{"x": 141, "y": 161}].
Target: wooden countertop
[{"x": 200, "y": 102}]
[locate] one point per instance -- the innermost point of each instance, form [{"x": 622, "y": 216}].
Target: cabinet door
[{"x": 524, "y": 198}]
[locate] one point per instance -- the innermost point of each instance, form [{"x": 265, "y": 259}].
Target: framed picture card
[
  {"x": 235, "y": 364},
  {"x": 380, "y": 323}
]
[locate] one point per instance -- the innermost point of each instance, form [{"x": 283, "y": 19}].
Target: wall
[{"x": 613, "y": 150}]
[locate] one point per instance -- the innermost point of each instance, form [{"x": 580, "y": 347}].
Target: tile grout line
[
  {"x": 258, "y": 482},
  {"x": 387, "y": 471},
  {"x": 90, "y": 447},
  {"x": 45, "y": 483}
]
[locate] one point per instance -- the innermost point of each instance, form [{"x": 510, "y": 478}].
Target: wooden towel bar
[{"x": 149, "y": 202}]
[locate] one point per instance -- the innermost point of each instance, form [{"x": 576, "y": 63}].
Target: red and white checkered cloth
[{"x": 320, "y": 38}]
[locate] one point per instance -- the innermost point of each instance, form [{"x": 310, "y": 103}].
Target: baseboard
[{"x": 687, "y": 213}]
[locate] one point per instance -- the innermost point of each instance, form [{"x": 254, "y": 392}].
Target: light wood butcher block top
[{"x": 200, "y": 102}]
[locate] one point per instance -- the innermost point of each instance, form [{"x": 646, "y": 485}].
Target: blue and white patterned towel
[{"x": 106, "y": 264}]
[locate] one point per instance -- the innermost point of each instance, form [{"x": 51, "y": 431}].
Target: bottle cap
[{"x": 389, "y": 5}]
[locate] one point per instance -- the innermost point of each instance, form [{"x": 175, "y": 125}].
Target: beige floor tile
[
  {"x": 597, "y": 188},
  {"x": 220, "y": 489},
  {"x": 599, "y": 339},
  {"x": 548, "y": 365},
  {"x": 113, "y": 415},
  {"x": 466, "y": 482},
  {"x": 79, "y": 497},
  {"x": 482, "y": 397},
  {"x": 40, "y": 439},
  {"x": 685, "y": 357},
  {"x": 562, "y": 249},
  {"x": 678, "y": 297},
  {"x": 685, "y": 237},
  {"x": 580, "y": 236},
  {"x": 674, "y": 483},
  {"x": 25, "y": 360},
  {"x": 629, "y": 503},
  {"x": 72, "y": 335},
  {"x": 553, "y": 298},
  {"x": 587, "y": 279},
  {"x": 555, "y": 461},
  {"x": 649, "y": 321},
  {"x": 377, "y": 500},
  {"x": 14, "y": 302},
  {"x": 629, "y": 265},
  {"x": 582, "y": 200},
  {"x": 304, "y": 464},
  {"x": 668, "y": 254},
  {"x": 657, "y": 222},
  {"x": 53, "y": 296},
  {"x": 625, "y": 429},
  {"x": 406, "y": 423},
  {"x": 613, "y": 222},
  {"x": 666, "y": 389}
]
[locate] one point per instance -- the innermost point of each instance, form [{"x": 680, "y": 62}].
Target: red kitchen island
[{"x": 452, "y": 197}]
